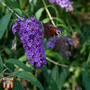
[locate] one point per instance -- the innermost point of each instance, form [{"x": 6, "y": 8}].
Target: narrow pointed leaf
[
  {"x": 86, "y": 80},
  {"x": 18, "y": 85},
  {"x": 63, "y": 76},
  {"x": 88, "y": 60},
  {"x": 39, "y": 13},
  {"x": 54, "y": 78},
  {"x": 1, "y": 64},
  {"x": 18, "y": 63},
  {"x": 4, "y": 23},
  {"x": 28, "y": 77}
]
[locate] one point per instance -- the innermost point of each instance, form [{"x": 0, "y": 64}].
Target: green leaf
[
  {"x": 52, "y": 54},
  {"x": 62, "y": 25},
  {"x": 19, "y": 12},
  {"x": 23, "y": 58},
  {"x": 32, "y": 6},
  {"x": 29, "y": 77},
  {"x": 0, "y": 79},
  {"x": 45, "y": 43},
  {"x": 82, "y": 50},
  {"x": 45, "y": 73},
  {"x": 12, "y": 3},
  {"x": 1, "y": 65},
  {"x": 88, "y": 60},
  {"x": 63, "y": 76},
  {"x": 39, "y": 13},
  {"x": 85, "y": 66},
  {"x": 84, "y": 45},
  {"x": 60, "y": 20},
  {"x": 45, "y": 20},
  {"x": 1, "y": 88},
  {"x": 54, "y": 78},
  {"x": 18, "y": 63},
  {"x": 8, "y": 51},
  {"x": 87, "y": 33},
  {"x": 18, "y": 85},
  {"x": 75, "y": 63},
  {"x": 86, "y": 79},
  {"x": 10, "y": 66},
  {"x": 22, "y": 4},
  {"x": 4, "y": 23}
]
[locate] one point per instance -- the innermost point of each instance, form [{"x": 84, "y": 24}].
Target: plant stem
[
  {"x": 10, "y": 9},
  {"x": 36, "y": 74},
  {"x": 7, "y": 67},
  {"x": 48, "y": 13},
  {"x": 63, "y": 65}
]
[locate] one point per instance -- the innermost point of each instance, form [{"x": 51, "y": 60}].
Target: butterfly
[{"x": 50, "y": 30}]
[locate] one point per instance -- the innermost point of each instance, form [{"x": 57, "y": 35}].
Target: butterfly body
[{"x": 50, "y": 30}]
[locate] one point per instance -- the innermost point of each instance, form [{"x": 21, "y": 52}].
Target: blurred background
[{"x": 72, "y": 74}]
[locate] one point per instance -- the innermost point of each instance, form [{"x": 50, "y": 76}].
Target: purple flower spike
[
  {"x": 31, "y": 37},
  {"x": 63, "y": 4},
  {"x": 61, "y": 43}
]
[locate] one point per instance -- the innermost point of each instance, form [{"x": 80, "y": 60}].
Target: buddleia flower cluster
[
  {"x": 61, "y": 43},
  {"x": 30, "y": 31},
  {"x": 63, "y": 4}
]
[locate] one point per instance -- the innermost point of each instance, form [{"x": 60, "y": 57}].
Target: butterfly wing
[
  {"x": 50, "y": 30},
  {"x": 46, "y": 30}
]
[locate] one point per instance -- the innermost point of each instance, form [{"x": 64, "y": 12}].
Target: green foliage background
[{"x": 60, "y": 73}]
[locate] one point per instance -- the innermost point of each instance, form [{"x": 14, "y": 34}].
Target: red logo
[{"x": 8, "y": 82}]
